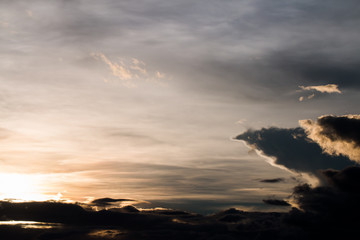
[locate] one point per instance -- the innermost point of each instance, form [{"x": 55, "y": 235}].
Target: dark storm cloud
[
  {"x": 347, "y": 180},
  {"x": 339, "y": 198},
  {"x": 292, "y": 149},
  {"x": 329, "y": 210},
  {"x": 332, "y": 208},
  {"x": 338, "y": 135}
]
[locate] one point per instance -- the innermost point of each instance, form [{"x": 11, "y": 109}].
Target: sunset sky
[{"x": 174, "y": 104}]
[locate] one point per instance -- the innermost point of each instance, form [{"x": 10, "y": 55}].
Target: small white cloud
[
  {"x": 329, "y": 88},
  {"x": 311, "y": 96}
]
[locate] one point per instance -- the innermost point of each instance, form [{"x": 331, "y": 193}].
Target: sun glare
[{"x": 23, "y": 187}]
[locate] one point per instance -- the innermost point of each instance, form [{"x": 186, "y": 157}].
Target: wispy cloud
[
  {"x": 119, "y": 70},
  {"x": 129, "y": 71},
  {"x": 328, "y": 88}
]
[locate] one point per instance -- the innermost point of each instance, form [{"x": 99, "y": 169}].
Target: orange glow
[{"x": 23, "y": 187}]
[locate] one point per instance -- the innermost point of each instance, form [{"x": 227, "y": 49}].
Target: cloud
[
  {"x": 276, "y": 202},
  {"x": 105, "y": 202},
  {"x": 118, "y": 70},
  {"x": 329, "y": 88},
  {"x": 87, "y": 224},
  {"x": 302, "y": 98},
  {"x": 327, "y": 211},
  {"x": 292, "y": 149},
  {"x": 339, "y": 197},
  {"x": 77, "y": 223},
  {"x": 337, "y": 135},
  {"x": 311, "y": 96},
  {"x": 347, "y": 180},
  {"x": 284, "y": 44},
  {"x": 129, "y": 72},
  {"x": 273, "y": 180}
]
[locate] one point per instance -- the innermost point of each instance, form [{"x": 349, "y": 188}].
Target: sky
[{"x": 198, "y": 106}]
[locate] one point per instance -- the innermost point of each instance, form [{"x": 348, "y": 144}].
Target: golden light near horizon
[{"x": 23, "y": 187}]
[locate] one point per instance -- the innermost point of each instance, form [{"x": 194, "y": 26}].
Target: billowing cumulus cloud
[
  {"x": 292, "y": 149},
  {"x": 337, "y": 135}
]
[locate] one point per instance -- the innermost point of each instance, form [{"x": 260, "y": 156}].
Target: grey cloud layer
[{"x": 273, "y": 44}]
